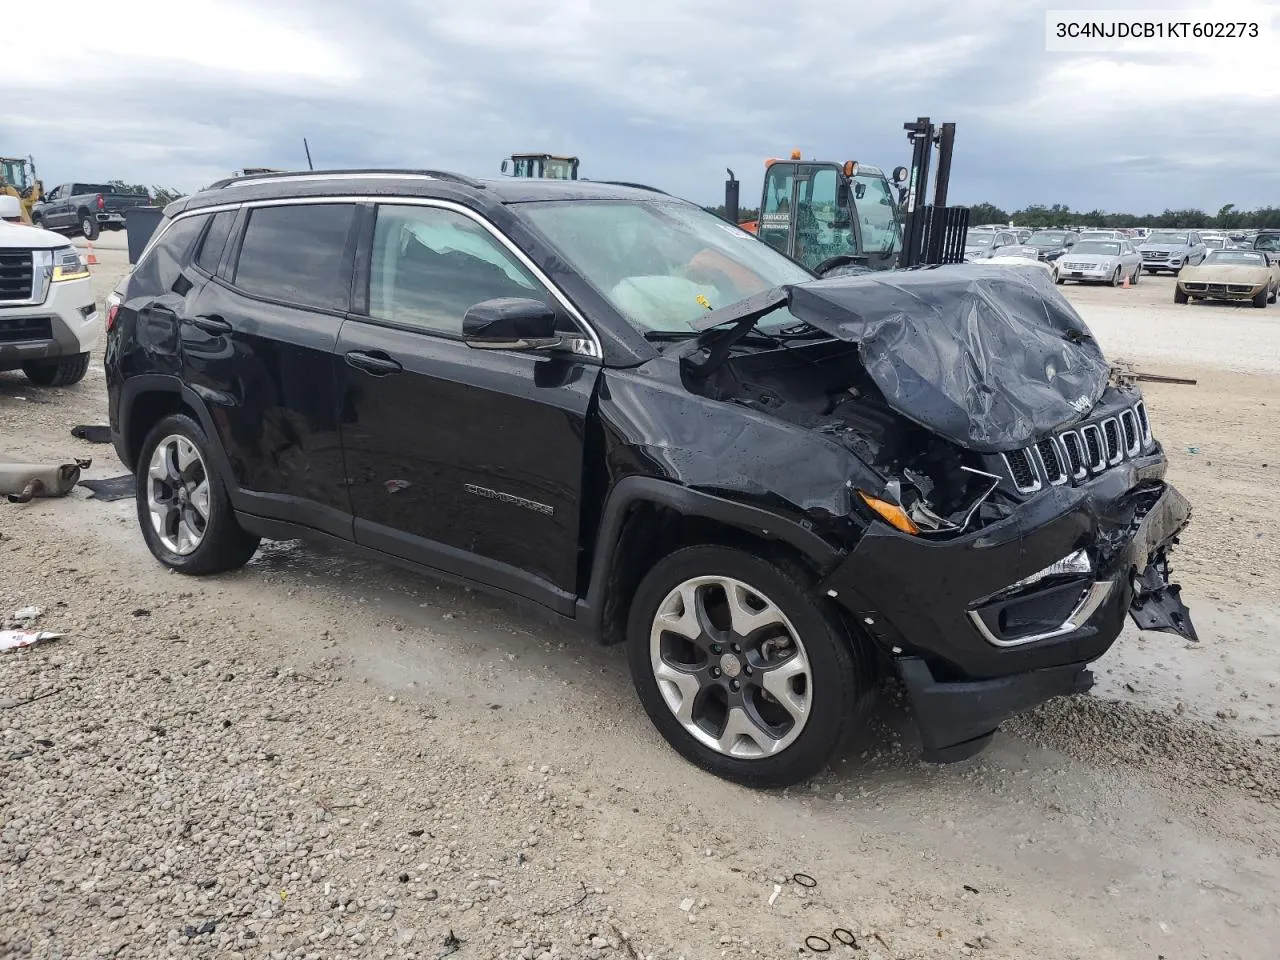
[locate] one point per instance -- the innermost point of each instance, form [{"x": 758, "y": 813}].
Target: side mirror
[
  {"x": 860, "y": 190},
  {"x": 511, "y": 323},
  {"x": 842, "y": 194},
  {"x": 505, "y": 163}
]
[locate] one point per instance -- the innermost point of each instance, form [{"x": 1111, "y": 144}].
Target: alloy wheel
[
  {"x": 731, "y": 667},
  {"x": 178, "y": 494}
]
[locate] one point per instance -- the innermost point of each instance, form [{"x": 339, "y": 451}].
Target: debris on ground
[
  {"x": 23, "y": 482},
  {"x": 92, "y": 434},
  {"x": 113, "y": 488},
  {"x": 20, "y": 639}
]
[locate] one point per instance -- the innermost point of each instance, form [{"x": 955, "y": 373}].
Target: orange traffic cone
[
  {"x": 92, "y": 261},
  {"x": 1126, "y": 282}
]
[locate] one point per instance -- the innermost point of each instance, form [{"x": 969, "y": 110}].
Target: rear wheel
[
  {"x": 57, "y": 373},
  {"x": 183, "y": 507},
  {"x": 1179, "y": 295},
  {"x": 742, "y": 668},
  {"x": 88, "y": 226}
]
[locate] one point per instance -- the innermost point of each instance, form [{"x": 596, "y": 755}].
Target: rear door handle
[
  {"x": 212, "y": 324},
  {"x": 376, "y": 363}
]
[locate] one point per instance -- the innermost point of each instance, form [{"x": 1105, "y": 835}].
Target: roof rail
[
  {"x": 365, "y": 171},
  {"x": 634, "y": 186}
]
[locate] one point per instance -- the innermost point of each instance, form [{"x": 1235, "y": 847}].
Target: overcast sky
[{"x": 667, "y": 92}]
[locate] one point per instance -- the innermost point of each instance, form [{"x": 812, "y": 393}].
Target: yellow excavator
[{"x": 18, "y": 179}]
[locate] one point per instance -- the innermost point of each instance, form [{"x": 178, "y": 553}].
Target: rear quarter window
[
  {"x": 297, "y": 254},
  {"x": 209, "y": 255},
  {"x": 160, "y": 268}
]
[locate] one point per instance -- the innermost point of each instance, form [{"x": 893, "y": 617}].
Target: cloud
[{"x": 668, "y": 92}]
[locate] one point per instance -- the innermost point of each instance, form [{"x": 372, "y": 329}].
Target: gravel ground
[{"x": 323, "y": 757}]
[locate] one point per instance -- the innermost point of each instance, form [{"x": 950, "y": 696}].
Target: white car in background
[
  {"x": 1102, "y": 235},
  {"x": 1101, "y": 261}
]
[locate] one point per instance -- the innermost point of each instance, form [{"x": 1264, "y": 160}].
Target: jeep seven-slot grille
[
  {"x": 1075, "y": 453},
  {"x": 1024, "y": 474},
  {"x": 1111, "y": 430},
  {"x": 16, "y": 270},
  {"x": 1080, "y": 452},
  {"x": 1049, "y": 461}
]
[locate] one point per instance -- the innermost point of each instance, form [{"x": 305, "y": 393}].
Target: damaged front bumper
[{"x": 992, "y": 623}]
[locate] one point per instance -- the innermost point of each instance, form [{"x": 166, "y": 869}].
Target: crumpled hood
[{"x": 989, "y": 357}]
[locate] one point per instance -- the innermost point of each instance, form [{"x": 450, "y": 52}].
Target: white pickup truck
[{"x": 48, "y": 316}]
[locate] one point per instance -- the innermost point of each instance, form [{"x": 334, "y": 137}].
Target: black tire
[
  {"x": 89, "y": 228},
  {"x": 1117, "y": 277},
  {"x": 1272, "y": 298},
  {"x": 1179, "y": 295},
  {"x": 224, "y": 546},
  {"x": 1260, "y": 301},
  {"x": 842, "y": 668},
  {"x": 57, "y": 373},
  {"x": 1137, "y": 275},
  {"x": 1150, "y": 271}
]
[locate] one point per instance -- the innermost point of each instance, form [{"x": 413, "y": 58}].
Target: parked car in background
[
  {"x": 1023, "y": 234},
  {"x": 49, "y": 317},
  {"x": 1102, "y": 235},
  {"x": 1267, "y": 241},
  {"x": 982, "y": 244},
  {"x": 85, "y": 208},
  {"x": 518, "y": 383},
  {"x": 1051, "y": 244},
  {"x": 1215, "y": 243},
  {"x": 1170, "y": 250},
  {"x": 1231, "y": 275},
  {"x": 1101, "y": 261}
]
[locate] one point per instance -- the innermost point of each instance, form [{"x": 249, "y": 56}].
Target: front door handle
[
  {"x": 210, "y": 324},
  {"x": 376, "y": 362}
]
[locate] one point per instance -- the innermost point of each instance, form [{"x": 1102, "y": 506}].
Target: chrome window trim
[
  {"x": 1086, "y": 608},
  {"x": 594, "y": 349},
  {"x": 326, "y": 178}
]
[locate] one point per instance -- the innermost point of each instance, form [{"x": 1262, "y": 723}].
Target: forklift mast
[{"x": 934, "y": 232}]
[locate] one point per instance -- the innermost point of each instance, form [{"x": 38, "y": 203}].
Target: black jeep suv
[{"x": 609, "y": 402}]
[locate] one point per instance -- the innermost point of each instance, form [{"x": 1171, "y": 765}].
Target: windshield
[
  {"x": 1097, "y": 236},
  {"x": 1236, "y": 256},
  {"x": 661, "y": 264},
  {"x": 1270, "y": 242},
  {"x": 878, "y": 215},
  {"x": 973, "y": 239},
  {"x": 1167, "y": 238},
  {"x": 1101, "y": 247},
  {"x": 1215, "y": 243},
  {"x": 1047, "y": 239}
]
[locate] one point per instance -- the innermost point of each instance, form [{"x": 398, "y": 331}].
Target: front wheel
[
  {"x": 183, "y": 507},
  {"x": 1179, "y": 295},
  {"x": 1260, "y": 301},
  {"x": 743, "y": 668},
  {"x": 57, "y": 373},
  {"x": 88, "y": 227},
  {"x": 1115, "y": 278}
]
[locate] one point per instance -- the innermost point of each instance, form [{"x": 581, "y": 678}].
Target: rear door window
[
  {"x": 160, "y": 269},
  {"x": 297, "y": 254}
]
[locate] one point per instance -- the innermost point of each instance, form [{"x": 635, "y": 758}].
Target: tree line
[{"x": 1038, "y": 216}]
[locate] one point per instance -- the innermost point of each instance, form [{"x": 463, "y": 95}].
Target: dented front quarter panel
[{"x": 654, "y": 426}]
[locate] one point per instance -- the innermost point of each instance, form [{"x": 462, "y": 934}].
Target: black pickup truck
[{"x": 86, "y": 208}]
